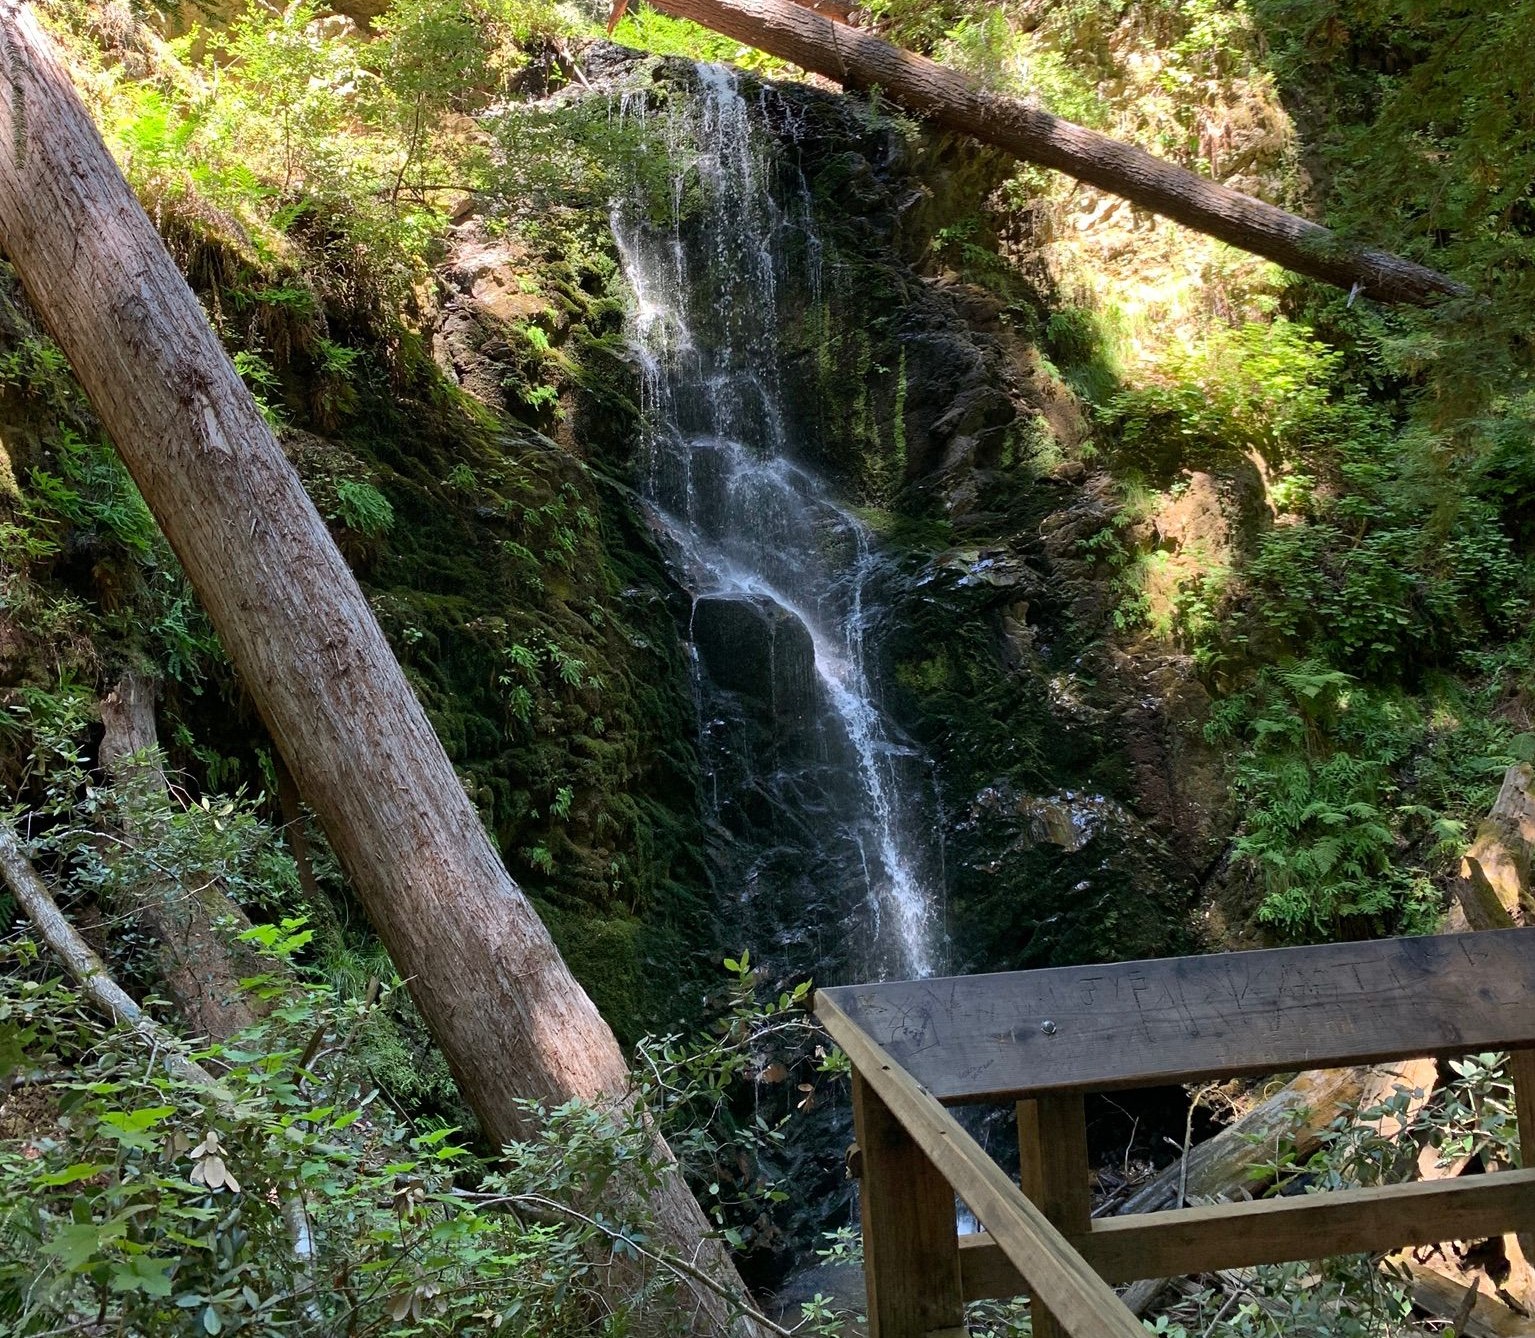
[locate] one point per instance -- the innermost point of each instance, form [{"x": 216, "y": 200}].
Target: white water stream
[{"x": 745, "y": 519}]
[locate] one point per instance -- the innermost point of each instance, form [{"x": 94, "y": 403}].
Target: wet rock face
[
  {"x": 926, "y": 395},
  {"x": 750, "y": 645},
  {"x": 1082, "y": 810}
]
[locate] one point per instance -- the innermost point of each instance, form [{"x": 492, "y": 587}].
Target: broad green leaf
[
  {"x": 143, "y": 1273},
  {"x": 80, "y": 1170}
]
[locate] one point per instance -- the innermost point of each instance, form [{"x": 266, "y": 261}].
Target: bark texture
[
  {"x": 860, "y": 59},
  {"x": 508, "y": 1015}
]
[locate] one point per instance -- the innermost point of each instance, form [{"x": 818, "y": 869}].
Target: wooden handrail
[
  {"x": 1179, "y": 1019},
  {"x": 1061, "y": 1278},
  {"x": 1049, "y": 1036},
  {"x": 1274, "y": 1231}
]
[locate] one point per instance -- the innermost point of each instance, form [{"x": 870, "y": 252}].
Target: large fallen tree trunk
[
  {"x": 511, "y": 1020},
  {"x": 860, "y": 59},
  {"x": 1292, "y": 1119}
]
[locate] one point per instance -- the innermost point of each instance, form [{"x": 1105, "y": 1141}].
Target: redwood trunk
[
  {"x": 859, "y": 59},
  {"x": 508, "y": 1015}
]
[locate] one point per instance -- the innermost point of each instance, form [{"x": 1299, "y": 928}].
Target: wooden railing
[{"x": 1043, "y": 1039}]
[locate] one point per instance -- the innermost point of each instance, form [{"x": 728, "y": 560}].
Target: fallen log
[
  {"x": 859, "y": 59},
  {"x": 87, "y": 970},
  {"x": 1294, "y": 1119}
]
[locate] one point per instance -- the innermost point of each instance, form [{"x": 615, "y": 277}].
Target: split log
[
  {"x": 508, "y": 1015},
  {"x": 1497, "y": 868},
  {"x": 947, "y": 98},
  {"x": 1478, "y": 898},
  {"x": 193, "y": 923},
  {"x": 1474, "y": 1312}
]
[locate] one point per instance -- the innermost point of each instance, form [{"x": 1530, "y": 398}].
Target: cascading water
[{"x": 780, "y": 571}]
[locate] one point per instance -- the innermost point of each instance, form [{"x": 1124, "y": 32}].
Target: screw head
[{"x": 1047, "y": 1027}]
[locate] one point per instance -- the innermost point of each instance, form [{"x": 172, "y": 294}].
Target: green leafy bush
[{"x": 288, "y": 1193}]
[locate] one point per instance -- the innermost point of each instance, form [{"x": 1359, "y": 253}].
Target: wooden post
[
  {"x": 1053, "y": 1168},
  {"x": 910, "y": 1240},
  {"x": 1521, "y": 1069}
]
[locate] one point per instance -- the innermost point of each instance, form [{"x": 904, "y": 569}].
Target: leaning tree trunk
[
  {"x": 854, "y": 57},
  {"x": 510, "y": 1018}
]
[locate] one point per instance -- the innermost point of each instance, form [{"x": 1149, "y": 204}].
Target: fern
[{"x": 363, "y": 508}]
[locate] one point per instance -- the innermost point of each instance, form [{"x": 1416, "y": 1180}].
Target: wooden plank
[
  {"x": 1053, "y": 1169},
  {"x": 1521, "y": 1070},
  {"x": 1311, "y": 1226},
  {"x": 986, "y": 1274},
  {"x": 1178, "y": 1019},
  {"x": 910, "y": 1242},
  {"x": 1084, "y": 1304}
]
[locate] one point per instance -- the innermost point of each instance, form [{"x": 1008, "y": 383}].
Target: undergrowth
[
  {"x": 291, "y": 1192},
  {"x": 1360, "y": 614}
]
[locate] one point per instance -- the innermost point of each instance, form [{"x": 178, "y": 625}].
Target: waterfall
[{"x": 782, "y": 573}]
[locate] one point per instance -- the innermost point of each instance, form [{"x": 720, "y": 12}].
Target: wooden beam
[
  {"x": 986, "y": 1274},
  {"x": 1053, "y": 1170},
  {"x": 1084, "y": 1304},
  {"x": 1137, "y": 1024},
  {"x": 1521, "y": 1070},
  {"x": 1311, "y": 1226},
  {"x": 910, "y": 1241}
]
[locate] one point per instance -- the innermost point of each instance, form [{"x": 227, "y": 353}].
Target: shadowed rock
[{"x": 751, "y": 645}]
